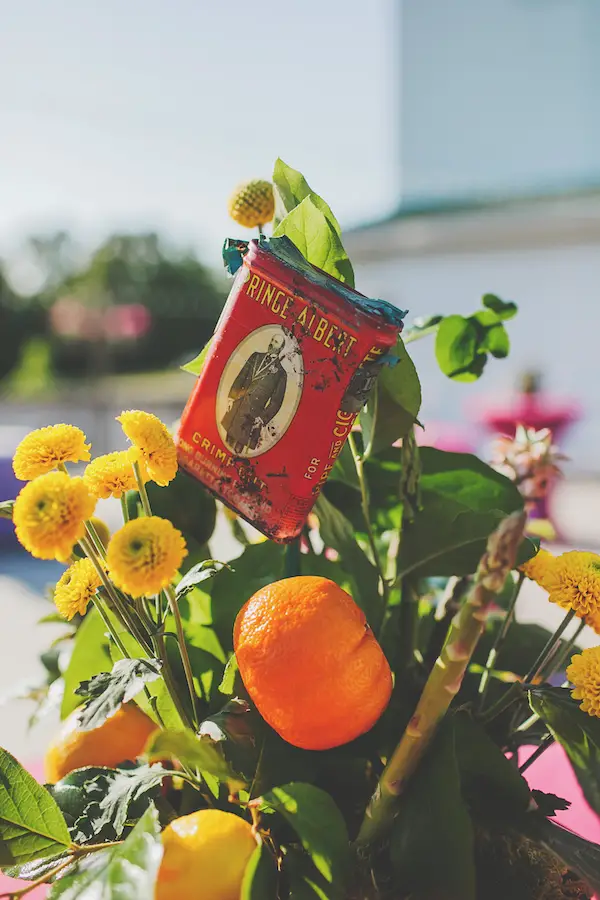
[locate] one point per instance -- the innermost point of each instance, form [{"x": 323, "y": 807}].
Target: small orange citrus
[
  {"x": 310, "y": 662},
  {"x": 205, "y": 856},
  {"x": 122, "y": 737}
]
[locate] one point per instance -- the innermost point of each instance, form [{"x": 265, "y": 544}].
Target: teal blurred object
[{"x": 9, "y": 488}]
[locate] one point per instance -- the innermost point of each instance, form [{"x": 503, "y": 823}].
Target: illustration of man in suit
[{"x": 255, "y": 396}]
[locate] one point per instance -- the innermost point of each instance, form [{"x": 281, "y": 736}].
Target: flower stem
[
  {"x": 185, "y": 659},
  {"x": 364, "y": 495},
  {"x": 142, "y": 489},
  {"x": 560, "y": 659},
  {"x": 547, "y": 742},
  {"x": 124, "y": 508},
  {"x": 499, "y": 642},
  {"x": 167, "y": 674},
  {"x": 444, "y": 680}
]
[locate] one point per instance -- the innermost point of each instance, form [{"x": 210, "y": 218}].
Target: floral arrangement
[{"x": 337, "y": 717}]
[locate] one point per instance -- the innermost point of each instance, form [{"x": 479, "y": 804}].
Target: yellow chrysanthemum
[
  {"x": 252, "y": 203},
  {"x": 46, "y": 448},
  {"x": 539, "y": 567},
  {"x": 144, "y": 555},
  {"x": 155, "y": 444},
  {"x": 50, "y": 514},
  {"x": 112, "y": 475},
  {"x": 584, "y": 675},
  {"x": 75, "y": 588},
  {"x": 573, "y": 582},
  {"x": 593, "y": 620}
]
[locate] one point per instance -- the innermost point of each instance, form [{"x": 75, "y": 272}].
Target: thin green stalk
[
  {"x": 95, "y": 538},
  {"x": 124, "y": 508},
  {"x": 499, "y": 641},
  {"x": 561, "y": 658},
  {"x": 364, "y": 495},
  {"x": 142, "y": 489},
  {"x": 185, "y": 659},
  {"x": 167, "y": 673},
  {"x": 547, "y": 742}
]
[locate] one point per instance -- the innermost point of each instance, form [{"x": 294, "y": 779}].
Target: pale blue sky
[{"x": 145, "y": 113}]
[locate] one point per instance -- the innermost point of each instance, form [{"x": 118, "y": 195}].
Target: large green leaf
[
  {"x": 578, "y": 733},
  {"x": 291, "y": 188},
  {"x": 432, "y": 838},
  {"x": 337, "y": 532},
  {"x": 90, "y": 657},
  {"x": 463, "y": 500},
  {"x": 317, "y": 240},
  {"x": 31, "y": 824},
  {"x": 201, "y": 752},
  {"x": 259, "y": 565},
  {"x": 260, "y": 877},
  {"x": 321, "y": 828},
  {"x": 107, "y": 691},
  {"x": 236, "y": 733},
  {"x": 394, "y": 405},
  {"x": 125, "y": 872},
  {"x": 187, "y": 504}
]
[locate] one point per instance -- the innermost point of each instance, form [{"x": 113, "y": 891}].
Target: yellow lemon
[{"x": 205, "y": 855}]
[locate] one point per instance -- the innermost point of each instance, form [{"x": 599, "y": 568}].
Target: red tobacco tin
[{"x": 292, "y": 361}]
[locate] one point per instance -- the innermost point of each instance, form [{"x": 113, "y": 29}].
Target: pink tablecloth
[{"x": 551, "y": 773}]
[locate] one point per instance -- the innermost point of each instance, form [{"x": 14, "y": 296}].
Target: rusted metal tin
[{"x": 293, "y": 359}]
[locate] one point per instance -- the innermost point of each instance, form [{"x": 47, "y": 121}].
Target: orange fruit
[
  {"x": 120, "y": 738},
  {"x": 310, "y": 662},
  {"x": 205, "y": 856}
]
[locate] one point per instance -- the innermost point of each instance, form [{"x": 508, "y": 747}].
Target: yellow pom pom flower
[
  {"x": 144, "y": 555},
  {"x": 75, "y": 588},
  {"x": 573, "y": 582},
  {"x": 154, "y": 443},
  {"x": 252, "y": 203},
  {"x": 46, "y": 448},
  {"x": 539, "y": 567},
  {"x": 50, "y": 513},
  {"x": 112, "y": 475},
  {"x": 584, "y": 675}
]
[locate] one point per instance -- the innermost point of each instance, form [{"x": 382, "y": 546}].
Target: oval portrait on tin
[{"x": 259, "y": 391}]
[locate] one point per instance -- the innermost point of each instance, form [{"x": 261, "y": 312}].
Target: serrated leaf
[
  {"x": 337, "y": 532},
  {"x": 577, "y": 732},
  {"x": 504, "y": 309},
  {"x": 31, "y": 824},
  {"x": 125, "y": 872},
  {"x": 109, "y": 690},
  {"x": 195, "y": 365},
  {"x": 38, "y": 868},
  {"x": 197, "y": 752},
  {"x": 316, "y": 239},
  {"x": 235, "y": 731},
  {"x": 260, "y": 877},
  {"x": 291, "y": 188},
  {"x": 321, "y": 828},
  {"x": 6, "y": 509},
  {"x": 433, "y": 814},
  {"x": 90, "y": 657},
  {"x": 199, "y": 573}
]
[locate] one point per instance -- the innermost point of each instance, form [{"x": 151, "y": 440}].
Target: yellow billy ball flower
[
  {"x": 112, "y": 475},
  {"x": 252, "y": 203},
  {"x": 573, "y": 582},
  {"x": 46, "y": 448},
  {"x": 584, "y": 675},
  {"x": 76, "y": 588},
  {"x": 539, "y": 567},
  {"x": 154, "y": 443},
  {"x": 50, "y": 513},
  {"x": 144, "y": 555}
]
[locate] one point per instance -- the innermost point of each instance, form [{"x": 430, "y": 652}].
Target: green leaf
[
  {"x": 489, "y": 781},
  {"x": 394, "y": 405},
  {"x": 496, "y": 341},
  {"x": 201, "y": 753},
  {"x": 291, "y": 188},
  {"x": 304, "y": 880},
  {"x": 6, "y": 509},
  {"x": 38, "y": 868},
  {"x": 31, "y": 824},
  {"x": 337, "y": 532},
  {"x": 195, "y": 365},
  {"x": 577, "y": 732},
  {"x": 433, "y": 815},
  {"x": 321, "y": 828},
  {"x": 109, "y": 690},
  {"x": 125, "y": 872},
  {"x": 260, "y": 877},
  {"x": 230, "y": 674},
  {"x": 456, "y": 349},
  {"x": 187, "y": 504},
  {"x": 502, "y": 308},
  {"x": 199, "y": 573},
  {"x": 316, "y": 239},
  {"x": 258, "y": 565},
  {"x": 463, "y": 500},
  {"x": 235, "y": 731},
  {"x": 90, "y": 657}
]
